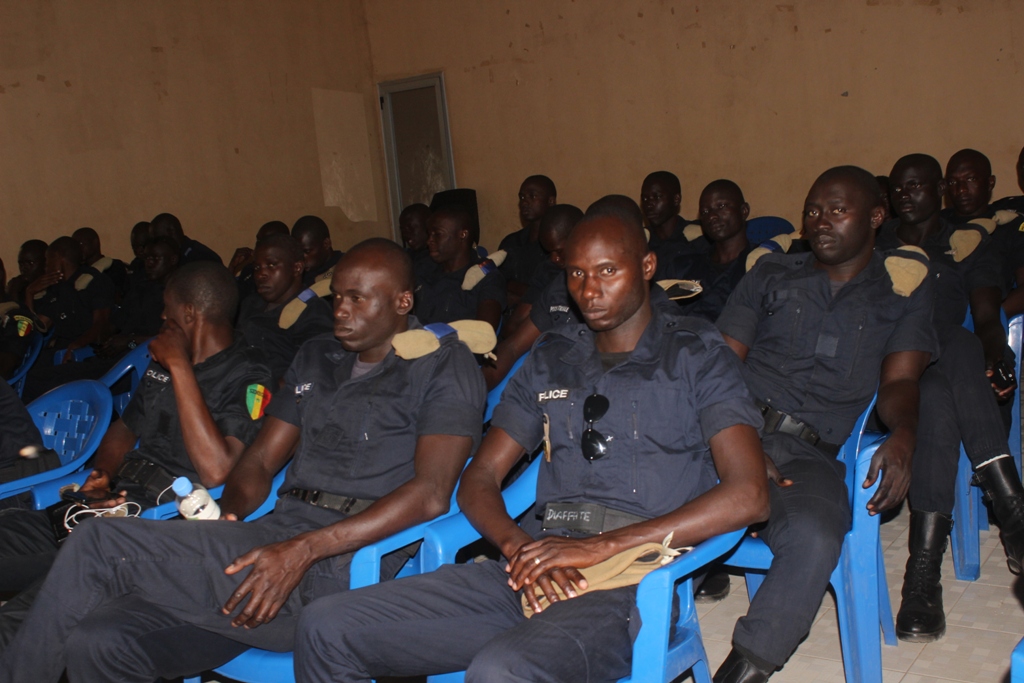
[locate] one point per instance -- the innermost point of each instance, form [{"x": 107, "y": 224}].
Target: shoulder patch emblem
[
  {"x": 83, "y": 281},
  {"x": 906, "y": 272},
  {"x": 257, "y": 398},
  {"x": 25, "y": 325}
]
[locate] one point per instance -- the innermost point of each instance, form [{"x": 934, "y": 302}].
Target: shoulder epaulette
[
  {"x": 321, "y": 288},
  {"x": 907, "y": 270},
  {"x": 82, "y": 281},
  {"x": 6, "y": 307},
  {"x": 677, "y": 290},
  {"x": 986, "y": 224},
  {"x": 481, "y": 270},
  {"x": 326, "y": 275},
  {"x": 104, "y": 263},
  {"x": 294, "y": 308},
  {"x": 1004, "y": 216},
  {"x": 692, "y": 231},
  {"x": 476, "y": 334},
  {"x": 964, "y": 241},
  {"x": 777, "y": 244}
]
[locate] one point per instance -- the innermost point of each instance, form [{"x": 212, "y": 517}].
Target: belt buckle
[{"x": 313, "y": 497}]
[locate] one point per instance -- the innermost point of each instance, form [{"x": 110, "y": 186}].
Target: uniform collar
[
  {"x": 648, "y": 347},
  {"x": 346, "y": 359},
  {"x": 873, "y": 271}
]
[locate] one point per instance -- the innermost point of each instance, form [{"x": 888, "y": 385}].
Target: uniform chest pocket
[{"x": 782, "y": 317}]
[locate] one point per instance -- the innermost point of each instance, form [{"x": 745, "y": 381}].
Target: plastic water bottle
[{"x": 194, "y": 501}]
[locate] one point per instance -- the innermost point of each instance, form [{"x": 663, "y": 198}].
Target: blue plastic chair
[
  {"x": 135, "y": 362},
  {"x": 263, "y": 666},
  {"x": 72, "y": 420},
  {"x": 763, "y": 228},
  {"x": 78, "y": 354},
  {"x": 861, "y": 590},
  {"x": 970, "y": 515},
  {"x": 35, "y": 345},
  {"x": 1017, "y": 664}
]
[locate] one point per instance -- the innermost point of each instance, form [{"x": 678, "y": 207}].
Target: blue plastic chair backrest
[
  {"x": 135, "y": 362},
  {"x": 70, "y": 416},
  {"x": 763, "y": 228},
  {"x": 35, "y": 345}
]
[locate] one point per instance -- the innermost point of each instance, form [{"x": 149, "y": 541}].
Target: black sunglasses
[{"x": 595, "y": 444}]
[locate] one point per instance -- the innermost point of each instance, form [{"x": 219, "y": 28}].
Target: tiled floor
[{"x": 985, "y": 620}]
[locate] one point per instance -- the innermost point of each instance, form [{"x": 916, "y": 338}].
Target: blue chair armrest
[
  {"x": 691, "y": 561},
  {"x": 78, "y": 354},
  {"x": 365, "y": 567},
  {"x": 47, "y": 493}
]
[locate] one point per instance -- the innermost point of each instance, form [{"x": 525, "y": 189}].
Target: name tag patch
[
  {"x": 552, "y": 395},
  {"x": 301, "y": 389},
  {"x": 158, "y": 376},
  {"x": 586, "y": 517},
  {"x": 558, "y": 309}
]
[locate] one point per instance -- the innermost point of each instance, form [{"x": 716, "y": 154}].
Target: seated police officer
[
  {"x": 412, "y": 225},
  {"x": 241, "y": 265},
  {"x": 190, "y": 250},
  {"x": 818, "y": 333},
  {"x": 463, "y": 286},
  {"x": 19, "y": 438},
  {"x": 723, "y": 219},
  {"x": 138, "y": 238},
  {"x": 957, "y": 399},
  {"x": 381, "y": 442},
  {"x": 31, "y": 266},
  {"x": 637, "y": 410},
  {"x": 16, "y": 326},
  {"x": 1016, "y": 202},
  {"x": 281, "y": 315},
  {"x": 192, "y": 415},
  {"x": 313, "y": 235},
  {"x": 670, "y": 233},
  {"x": 73, "y": 300},
  {"x": 523, "y": 252}
]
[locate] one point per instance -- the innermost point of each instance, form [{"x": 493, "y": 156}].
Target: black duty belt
[
  {"x": 585, "y": 517},
  {"x": 150, "y": 476},
  {"x": 778, "y": 422},
  {"x": 331, "y": 501}
]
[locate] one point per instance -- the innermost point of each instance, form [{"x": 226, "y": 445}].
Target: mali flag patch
[
  {"x": 24, "y": 325},
  {"x": 257, "y": 397}
]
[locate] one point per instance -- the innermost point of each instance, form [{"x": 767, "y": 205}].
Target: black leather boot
[
  {"x": 1001, "y": 483},
  {"x": 740, "y": 669},
  {"x": 715, "y": 586},
  {"x": 921, "y": 618}
]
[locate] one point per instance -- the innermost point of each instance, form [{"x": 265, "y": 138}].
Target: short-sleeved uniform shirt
[
  {"x": 422, "y": 264},
  {"x": 543, "y": 276},
  {"x": 113, "y": 268},
  {"x": 359, "y": 435},
  {"x": 522, "y": 258},
  {"x": 236, "y": 387},
  {"x": 323, "y": 272},
  {"x": 16, "y": 327},
  {"x": 716, "y": 280},
  {"x": 70, "y": 304},
  {"x": 136, "y": 274},
  {"x": 1008, "y": 240},
  {"x": 953, "y": 281},
  {"x": 679, "y": 387},
  {"x": 553, "y": 306},
  {"x": 815, "y": 355},
  {"x": 441, "y": 299},
  {"x": 676, "y": 244},
  {"x": 260, "y": 326},
  {"x": 141, "y": 309},
  {"x": 193, "y": 250}
]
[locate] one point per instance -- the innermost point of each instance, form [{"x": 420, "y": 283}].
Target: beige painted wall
[
  {"x": 597, "y": 93},
  {"x": 114, "y": 110}
]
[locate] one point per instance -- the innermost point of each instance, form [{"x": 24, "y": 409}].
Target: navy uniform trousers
[
  {"x": 805, "y": 531},
  {"x": 957, "y": 404},
  {"x": 130, "y": 601}
]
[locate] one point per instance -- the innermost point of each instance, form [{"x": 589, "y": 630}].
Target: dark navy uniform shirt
[
  {"x": 236, "y": 386},
  {"x": 554, "y": 307},
  {"x": 521, "y": 260},
  {"x": 675, "y": 245},
  {"x": 17, "y": 429},
  {"x": 115, "y": 269},
  {"x": 193, "y": 250},
  {"x": 323, "y": 272},
  {"x": 16, "y": 327},
  {"x": 817, "y": 356},
  {"x": 141, "y": 309},
  {"x": 1008, "y": 239},
  {"x": 70, "y": 304},
  {"x": 359, "y": 435},
  {"x": 717, "y": 281},
  {"x": 260, "y": 326},
  {"x": 953, "y": 281},
  {"x": 441, "y": 299},
  {"x": 679, "y": 387}
]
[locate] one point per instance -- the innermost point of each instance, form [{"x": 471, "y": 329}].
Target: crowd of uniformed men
[{"x": 664, "y": 412}]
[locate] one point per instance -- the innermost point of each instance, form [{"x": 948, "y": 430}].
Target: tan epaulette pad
[
  {"x": 321, "y": 287},
  {"x": 777, "y": 244},
  {"x": 83, "y": 281},
  {"x": 964, "y": 241},
  {"x": 986, "y": 224},
  {"x": 1004, "y": 216},
  {"x": 104, "y": 263},
  {"x": 907, "y": 272},
  {"x": 294, "y": 308},
  {"x": 6, "y": 307},
  {"x": 476, "y": 334},
  {"x": 481, "y": 270},
  {"x": 677, "y": 290},
  {"x": 692, "y": 231}
]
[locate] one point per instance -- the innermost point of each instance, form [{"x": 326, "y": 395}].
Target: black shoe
[
  {"x": 921, "y": 618},
  {"x": 739, "y": 669},
  {"x": 714, "y": 588},
  {"x": 1003, "y": 490}
]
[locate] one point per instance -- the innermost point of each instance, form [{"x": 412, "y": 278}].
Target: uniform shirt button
[
  {"x": 671, "y": 324},
  {"x": 828, "y": 431},
  {"x": 581, "y": 333}
]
